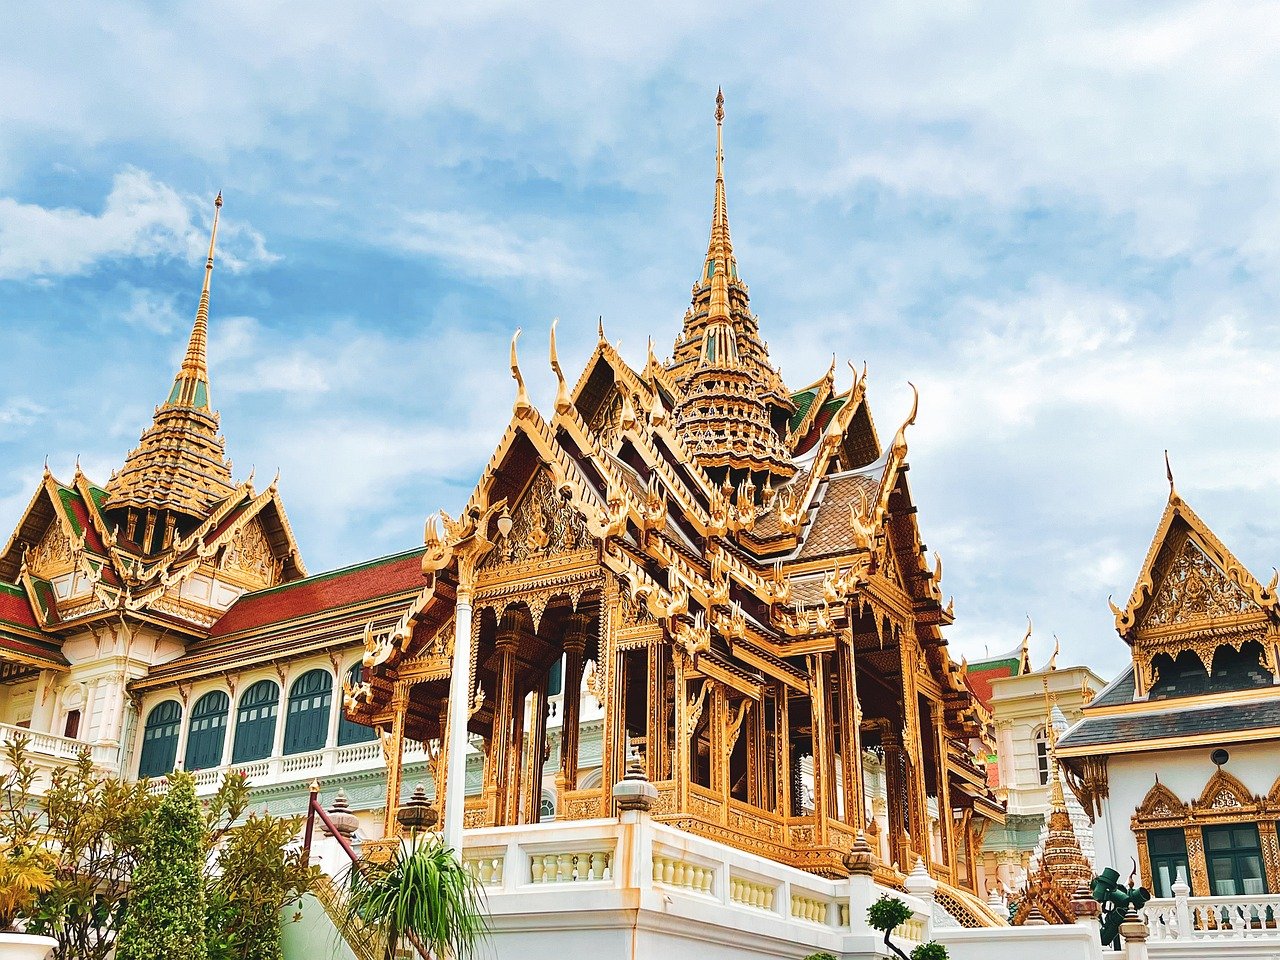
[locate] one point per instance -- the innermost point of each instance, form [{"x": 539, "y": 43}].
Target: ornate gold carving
[
  {"x": 1193, "y": 588},
  {"x": 543, "y": 524},
  {"x": 53, "y": 554},
  {"x": 249, "y": 553}
]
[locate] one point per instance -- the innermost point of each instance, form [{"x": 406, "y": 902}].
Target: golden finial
[
  {"x": 1168, "y": 472},
  {"x": 1025, "y": 666},
  {"x": 1057, "y": 647},
  {"x": 522, "y": 404},
  {"x": 563, "y": 403},
  {"x": 191, "y": 386},
  {"x": 899, "y": 445},
  {"x": 600, "y": 329}
]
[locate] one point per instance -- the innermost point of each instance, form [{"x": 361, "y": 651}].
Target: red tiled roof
[
  {"x": 979, "y": 678},
  {"x": 326, "y": 591},
  {"x": 16, "y": 609}
]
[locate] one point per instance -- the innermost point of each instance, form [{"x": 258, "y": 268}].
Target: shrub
[
  {"x": 932, "y": 950},
  {"x": 887, "y": 914},
  {"x": 821, "y": 956},
  {"x": 165, "y": 917}
]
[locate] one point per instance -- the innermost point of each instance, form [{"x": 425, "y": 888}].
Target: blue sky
[{"x": 1060, "y": 221}]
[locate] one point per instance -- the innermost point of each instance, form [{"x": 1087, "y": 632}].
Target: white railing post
[
  {"x": 860, "y": 861},
  {"x": 1181, "y": 893},
  {"x": 920, "y": 884}
]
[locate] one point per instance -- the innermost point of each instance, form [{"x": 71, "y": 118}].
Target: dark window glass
[
  {"x": 1042, "y": 756},
  {"x": 310, "y": 699},
  {"x": 256, "y": 722},
  {"x": 160, "y": 739},
  {"x": 1168, "y": 852},
  {"x": 348, "y": 730},
  {"x": 1233, "y": 855},
  {"x": 207, "y": 731},
  {"x": 72, "y": 727}
]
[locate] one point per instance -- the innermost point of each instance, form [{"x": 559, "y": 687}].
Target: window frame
[
  {"x": 249, "y": 744},
  {"x": 150, "y": 763}
]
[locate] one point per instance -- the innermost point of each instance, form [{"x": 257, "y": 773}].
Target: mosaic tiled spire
[{"x": 180, "y": 464}]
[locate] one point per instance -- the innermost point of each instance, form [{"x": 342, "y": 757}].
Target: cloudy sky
[{"x": 1061, "y": 221}]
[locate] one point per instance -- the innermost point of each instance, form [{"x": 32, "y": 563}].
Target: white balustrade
[
  {"x": 52, "y": 745},
  {"x": 809, "y": 908},
  {"x": 1214, "y": 918},
  {"x": 570, "y": 867}
]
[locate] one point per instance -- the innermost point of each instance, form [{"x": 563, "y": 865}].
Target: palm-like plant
[
  {"x": 25, "y": 873},
  {"x": 421, "y": 894}
]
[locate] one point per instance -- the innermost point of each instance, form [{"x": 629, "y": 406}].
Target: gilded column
[
  {"x": 782, "y": 754},
  {"x": 1267, "y": 834},
  {"x": 505, "y": 740},
  {"x": 575, "y": 645},
  {"x": 536, "y": 748},
  {"x": 613, "y": 761},
  {"x": 393, "y": 753},
  {"x": 821, "y": 744},
  {"x": 851, "y": 738},
  {"x": 913, "y": 745},
  {"x": 656, "y": 734},
  {"x": 680, "y": 761},
  {"x": 1196, "y": 861}
]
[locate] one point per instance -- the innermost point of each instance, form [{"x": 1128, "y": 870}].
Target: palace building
[
  {"x": 689, "y": 567},
  {"x": 736, "y": 569},
  {"x": 1178, "y": 758}
]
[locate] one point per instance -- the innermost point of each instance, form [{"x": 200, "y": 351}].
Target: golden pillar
[
  {"x": 508, "y": 726},
  {"x": 393, "y": 754},
  {"x": 575, "y": 645}
]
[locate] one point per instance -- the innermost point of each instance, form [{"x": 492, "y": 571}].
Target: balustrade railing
[
  {"x": 1214, "y": 918},
  {"x": 61, "y": 748}
]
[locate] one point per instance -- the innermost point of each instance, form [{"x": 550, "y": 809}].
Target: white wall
[{"x": 1131, "y": 775}]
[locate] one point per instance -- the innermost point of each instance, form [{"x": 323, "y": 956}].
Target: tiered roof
[{"x": 180, "y": 464}]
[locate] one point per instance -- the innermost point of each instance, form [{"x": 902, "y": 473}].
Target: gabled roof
[
  {"x": 1180, "y": 525},
  {"x": 330, "y": 609}
]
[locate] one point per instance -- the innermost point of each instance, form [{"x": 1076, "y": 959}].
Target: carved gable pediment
[
  {"x": 543, "y": 524},
  {"x": 1161, "y": 803},
  {"x": 1192, "y": 589},
  {"x": 248, "y": 556},
  {"x": 1225, "y": 792},
  {"x": 53, "y": 554}
]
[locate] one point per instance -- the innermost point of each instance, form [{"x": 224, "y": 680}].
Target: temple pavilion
[{"x": 733, "y": 570}]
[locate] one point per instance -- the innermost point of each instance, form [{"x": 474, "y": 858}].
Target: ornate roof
[
  {"x": 180, "y": 464},
  {"x": 733, "y": 408}
]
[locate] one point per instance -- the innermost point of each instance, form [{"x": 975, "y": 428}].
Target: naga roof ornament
[{"x": 180, "y": 464}]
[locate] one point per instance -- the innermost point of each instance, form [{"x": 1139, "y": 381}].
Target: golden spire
[
  {"x": 180, "y": 465},
  {"x": 719, "y": 248},
  {"x": 191, "y": 385}
]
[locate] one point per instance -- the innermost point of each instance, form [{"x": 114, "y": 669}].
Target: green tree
[
  {"x": 257, "y": 873},
  {"x": 26, "y": 866},
  {"x": 887, "y": 914},
  {"x": 165, "y": 917},
  {"x": 96, "y": 824},
  {"x": 421, "y": 893}
]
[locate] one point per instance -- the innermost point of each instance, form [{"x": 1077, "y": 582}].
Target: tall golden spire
[
  {"x": 733, "y": 403},
  {"x": 179, "y": 468},
  {"x": 191, "y": 385},
  {"x": 720, "y": 265}
]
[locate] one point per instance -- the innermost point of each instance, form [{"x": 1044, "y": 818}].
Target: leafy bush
[
  {"x": 821, "y": 956},
  {"x": 887, "y": 914},
  {"x": 932, "y": 950},
  {"x": 165, "y": 917},
  {"x": 257, "y": 872}
]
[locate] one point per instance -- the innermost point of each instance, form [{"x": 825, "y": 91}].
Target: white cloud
[
  {"x": 141, "y": 217},
  {"x": 150, "y": 310},
  {"x": 484, "y": 249}
]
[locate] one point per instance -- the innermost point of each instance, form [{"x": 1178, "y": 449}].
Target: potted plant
[
  {"x": 887, "y": 914},
  {"x": 421, "y": 896}
]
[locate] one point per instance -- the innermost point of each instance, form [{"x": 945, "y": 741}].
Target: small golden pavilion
[{"x": 733, "y": 570}]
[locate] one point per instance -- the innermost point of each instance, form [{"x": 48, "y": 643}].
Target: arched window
[
  {"x": 546, "y": 808},
  {"x": 256, "y": 722},
  {"x": 348, "y": 730},
  {"x": 160, "y": 739},
  {"x": 310, "y": 699},
  {"x": 207, "y": 731},
  {"x": 1042, "y": 755}
]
